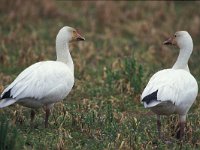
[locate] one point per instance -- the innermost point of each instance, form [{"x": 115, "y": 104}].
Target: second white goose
[{"x": 173, "y": 91}]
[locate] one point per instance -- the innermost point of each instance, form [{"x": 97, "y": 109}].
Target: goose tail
[{"x": 6, "y": 102}]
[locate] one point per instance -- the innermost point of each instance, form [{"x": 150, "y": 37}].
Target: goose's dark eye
[{"x": 175, "y": 35}]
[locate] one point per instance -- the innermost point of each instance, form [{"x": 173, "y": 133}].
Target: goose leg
[
  {"x": 159, "y": 126},
  {"x": 182, "y": 126},
  {"x": 47, "y": 110},
  {"x": 32, "y": 116},
  {"x": 182, "y": 120}
]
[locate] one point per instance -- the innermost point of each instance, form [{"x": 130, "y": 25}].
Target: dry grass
[{"x": 103, "y": 110}]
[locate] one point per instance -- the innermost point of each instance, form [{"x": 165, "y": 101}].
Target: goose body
[
  {"x": 41, "y": 84},
  {"x": 174, "y": 90},
  {"x": 47, "y": 82}
]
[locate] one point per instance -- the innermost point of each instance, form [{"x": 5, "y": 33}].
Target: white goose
[
  {"x": 173, "y": 91},
  {"x": 47, "y": 82}
]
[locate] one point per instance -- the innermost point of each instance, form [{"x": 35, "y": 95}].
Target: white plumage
[
  {"x": 173, "y": 90},
  {"x": 41, "y": 84},
  {"x": 175, "y": 86},
  {"x": 45, "y": 83}
]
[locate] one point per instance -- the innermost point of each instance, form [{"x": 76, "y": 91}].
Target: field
[{"x": 123, "y": 49}]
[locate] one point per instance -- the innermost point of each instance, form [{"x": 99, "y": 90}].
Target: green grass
[{"x": 123, "y": 48}]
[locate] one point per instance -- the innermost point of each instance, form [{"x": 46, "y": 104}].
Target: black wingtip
[
  {"x": 150, "y": 97},
  {"x": 7, "y": 94}
]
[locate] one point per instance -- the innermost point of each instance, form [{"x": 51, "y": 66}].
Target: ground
[{"x": 123, "y": 49}]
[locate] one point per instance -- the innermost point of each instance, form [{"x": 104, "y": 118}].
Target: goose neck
[
  {"x": 182, "y": 60},
  {"x": 63, "y": 53}
]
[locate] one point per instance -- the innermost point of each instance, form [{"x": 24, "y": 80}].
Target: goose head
[
  {"x": 181, "y": 39},
  {"x": 68, "y": 35}
]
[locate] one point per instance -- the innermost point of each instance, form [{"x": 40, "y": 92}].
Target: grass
[{"x": 123, "y": 48}]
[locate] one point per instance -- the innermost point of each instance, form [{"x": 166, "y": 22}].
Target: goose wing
[
  {"x": 174, "y": 85},
  {"x": 41, "y": 80}
]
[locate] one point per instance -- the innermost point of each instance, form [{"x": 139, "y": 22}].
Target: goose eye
[{"x": 174, "y": 35}]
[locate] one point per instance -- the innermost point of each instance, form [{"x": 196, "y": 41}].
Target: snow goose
[
  {"x": 173, "y": 91},
  {"x": 47, "y": 82}
]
